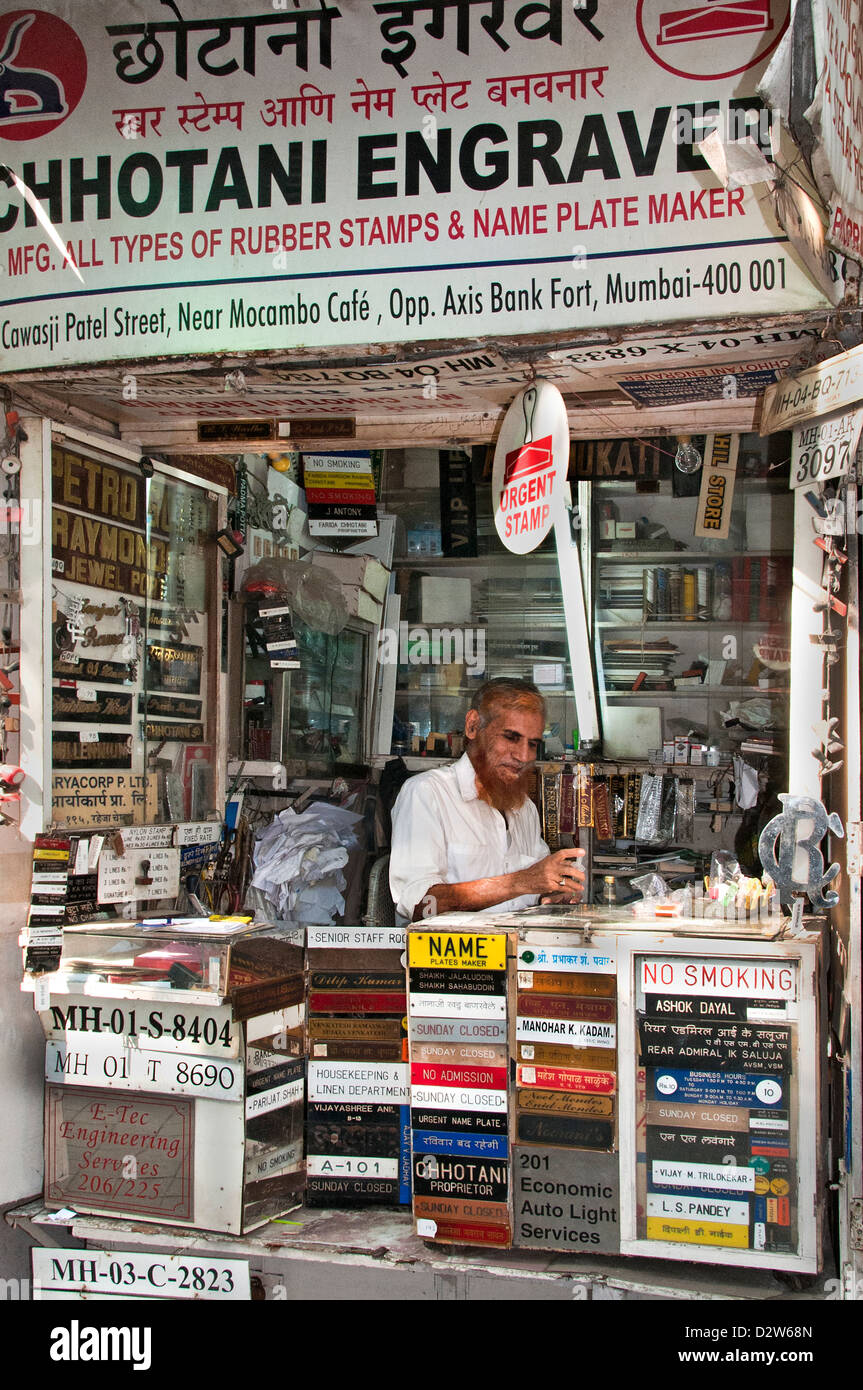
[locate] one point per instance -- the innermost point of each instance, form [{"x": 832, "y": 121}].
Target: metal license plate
[
  {"x": 542, "y": 982},
  {"x": 465, "y": 1232},
  {"x": 355, "y": 1002},
  {"x": 459, "y": 1074},
  {"x": 704, "y": 1006},
  {"x": 116, "y": 1274},
  {"x": 344, "y": 1051},
  {"x": 565, "y": 1201},
  {"x": 564, "y": 1103},
  {"x": 725, "y": 1117},
  {"x": 457, "y": 1030},
  {"x": 443, "y": 981},
  {"x": 571, "y": 1131},
  {"x": 458, "y": 1054},
  {"x": 470, "y": 1121},
  {"x": 337, "y": 1192},
  {"x": 575, "y": 1032},
  {"x": 471, "y": 1178},
  {"x": 602, "y": 1083},
  {"x": 101, "y": 1061},
  {"x": 566, "y": 1006},
  {"x": 479, "y": 1006},
  {"x": 713, "y": 1046},
  {"x": 382, "y": 1140},
  {"x": 457, "y": 950},
  {"x": 705, "y": 1145},
  {"x": 458, "y": 1098},
  {"x": 166, "y": 1028},
  {"x": 378, "y": 981},
  {"x": 458, "y": 1209},
  {"x": 563, "y": 1055},
  {"x": 717, "y": 1088},
  {"x": 359, "y": 1081},
  {"x": 356, "y": 1029},
  {"x": 459, "y": 1144}
]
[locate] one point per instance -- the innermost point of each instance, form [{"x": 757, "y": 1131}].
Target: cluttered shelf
[
  {"x": 690, "y": 624},
  {"x": 695, "y": 692},
  {"x": 681, "y": 556}
]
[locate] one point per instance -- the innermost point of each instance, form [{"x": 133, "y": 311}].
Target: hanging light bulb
[{"x": 687, "y": 458}]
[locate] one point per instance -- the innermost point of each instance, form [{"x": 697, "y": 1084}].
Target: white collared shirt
[{"x": 444, "y": 833}]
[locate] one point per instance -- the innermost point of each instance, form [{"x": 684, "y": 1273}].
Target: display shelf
[
  {"x": 697, "y": 692},
  {"x": 670, "y": 556},
  {"x": 683, "y": 624}
]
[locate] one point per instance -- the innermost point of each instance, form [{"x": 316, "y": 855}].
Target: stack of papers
[{"x": 299, "y": 861}]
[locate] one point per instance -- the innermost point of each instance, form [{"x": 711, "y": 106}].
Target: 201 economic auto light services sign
[{"x": 231, "y": 176}]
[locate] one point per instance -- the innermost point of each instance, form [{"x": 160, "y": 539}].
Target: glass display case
[
  {"x": 135, "y": 650},
  {"x": 195, "y": 958},
  {"x": 316, "y": 714},
  {"x": 691, "y": 632},
  {"x": 469, "y": 609}
]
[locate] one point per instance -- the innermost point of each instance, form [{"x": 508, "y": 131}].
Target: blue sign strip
[
  {"x": 404, "y": 1155},
  {"x": 476, "y": 1145}
]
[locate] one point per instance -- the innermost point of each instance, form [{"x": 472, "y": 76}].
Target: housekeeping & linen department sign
[{"x": 496, "y": 168}]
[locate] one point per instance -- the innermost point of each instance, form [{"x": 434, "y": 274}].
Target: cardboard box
[
  {"x": 361, "y": 604},
  {"x": 625, "y": 530},
  {"x": 445, "y": 600},
  {"x": 360, "y": 571}
]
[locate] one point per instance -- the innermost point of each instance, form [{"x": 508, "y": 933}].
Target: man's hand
[{"x": 557, "y": 878}]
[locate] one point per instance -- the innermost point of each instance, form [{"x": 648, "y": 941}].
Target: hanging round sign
[
  {"x": 531, "y": 459},
  {"x": 773, "y": 650}
]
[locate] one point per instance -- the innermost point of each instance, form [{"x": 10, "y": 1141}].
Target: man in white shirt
[{"x": 467, "y": 837}]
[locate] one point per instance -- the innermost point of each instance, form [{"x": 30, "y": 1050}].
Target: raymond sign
[
  {"x": 225, "y": 181},
  {"x": 530, "y": 463}
]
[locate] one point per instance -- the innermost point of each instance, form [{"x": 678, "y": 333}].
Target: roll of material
[{"x": 11, "y": 776}]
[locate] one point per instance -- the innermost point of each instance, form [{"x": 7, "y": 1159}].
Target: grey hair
[{"x": 506, "y": 691}]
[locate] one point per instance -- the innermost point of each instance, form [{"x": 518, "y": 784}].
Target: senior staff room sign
[{"x": 496, "y": 169}]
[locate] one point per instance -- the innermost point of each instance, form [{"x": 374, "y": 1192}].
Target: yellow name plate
[{"x": 459, "y": 950}]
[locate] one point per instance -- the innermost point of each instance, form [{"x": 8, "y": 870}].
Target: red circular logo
[
  {"x": 711, "y": 40},
  {"x": 43, "y": 71}
]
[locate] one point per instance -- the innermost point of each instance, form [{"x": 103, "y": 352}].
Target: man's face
[{"x": 504, "y": 754}]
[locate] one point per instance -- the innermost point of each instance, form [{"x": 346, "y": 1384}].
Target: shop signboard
[
  {"x": 224, "y": 180},
  {"x": 565, "y": 1201},
  {"x": 130, "y": 1152}
]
